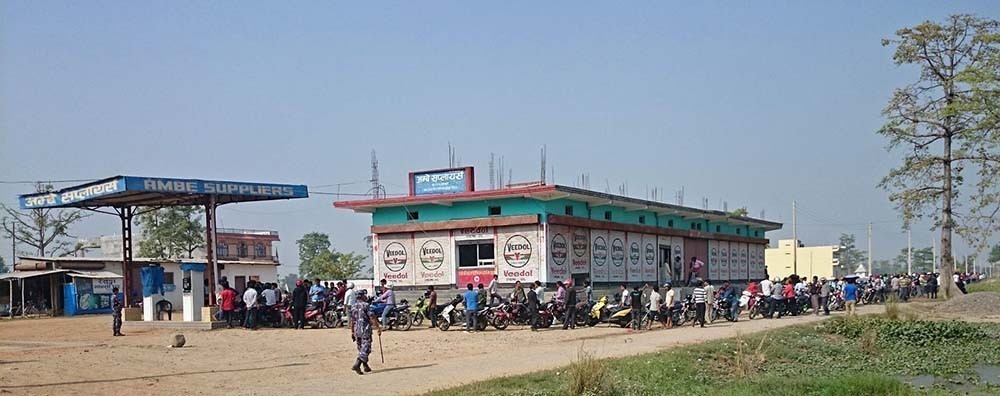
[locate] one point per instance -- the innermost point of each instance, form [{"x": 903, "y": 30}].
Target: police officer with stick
[{"x": 362, "y": 320}]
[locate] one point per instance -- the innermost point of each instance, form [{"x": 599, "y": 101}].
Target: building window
[
  {"x": 694, "y": 226},
  {"x": 243, "y": 250},
  {"x": 642, "y": 219},
  {"x": 607, "y": 215},
  {"x": 494, "y": 210},
  {"x": 670, "y": 223},
  {"x": 755, "y": 233},
  {"x": 718, "y": 228},
  {"x": 699, "y": 227},
  {"x": 412, "y": 215},
  {"x": 241, "y": 283},
  {"x": 475, "y": 254},
  {"x": 168, "y": 278},
  {"x": 259, "y": 250},
  {"x": 222, "y": 250},
  {"x": 569, "y": 210},
  {"x": 738, "y": 231}
]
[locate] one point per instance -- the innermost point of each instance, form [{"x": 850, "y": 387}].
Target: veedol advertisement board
[
  {"x": 713, "y": 261},
  {"x": 435, "y": 264},
  {"x": 560, "y": 251},
  {"x": 633, "y": 257},
  {"x": 395, "y": 258},
  {"x": 649, "y": 259},
  {"x": 617, "y": 256},
  {"x": 579, "y": 250},
  {"x": 600, "y": 255},
  {"x": 517, "y": 253},
  {"x": 724, "y": 262}
]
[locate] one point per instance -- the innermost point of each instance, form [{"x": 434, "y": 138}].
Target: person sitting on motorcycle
[
  {"x": 517, "y": 299},
  {"x": 625, "y": 301},
  {"x": 732, "y": 298},
  {"x": 389, "y": 299},
  {"x": 482, "y": 296},
  {"x": 560, "y": 296}
]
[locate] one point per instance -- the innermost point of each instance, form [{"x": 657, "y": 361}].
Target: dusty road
[{"x": 78, "y": 356}]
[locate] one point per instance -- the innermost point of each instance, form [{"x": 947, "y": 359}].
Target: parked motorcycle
[
  {"x": 314, "y": 316},
  {"x": 419, "y": 311}
]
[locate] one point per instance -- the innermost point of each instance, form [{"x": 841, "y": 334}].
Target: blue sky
[{"x": 752, "y": 104}]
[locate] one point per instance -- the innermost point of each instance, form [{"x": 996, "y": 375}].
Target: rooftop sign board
[
  {"x": 442, "y": 181},
  {"x": 121, "y": 186}
]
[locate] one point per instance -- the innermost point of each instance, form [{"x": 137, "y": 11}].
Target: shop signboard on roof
[{"x": 442, "y": 181}]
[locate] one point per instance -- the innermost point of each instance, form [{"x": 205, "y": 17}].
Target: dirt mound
[{"x": 980, "y": 305}]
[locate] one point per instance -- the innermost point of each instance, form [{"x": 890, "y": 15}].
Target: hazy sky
[{"x": 755, "y": 104}]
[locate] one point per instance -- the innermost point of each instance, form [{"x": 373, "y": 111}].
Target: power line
[{"x": 45, "y": 181}]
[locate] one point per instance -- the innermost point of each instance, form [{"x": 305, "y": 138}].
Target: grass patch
[
  {"x": 985, "y": 286},
  {"x": 861, "y": 356}
]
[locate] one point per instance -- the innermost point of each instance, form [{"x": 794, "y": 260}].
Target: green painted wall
[{"x": 523, "y": 206}]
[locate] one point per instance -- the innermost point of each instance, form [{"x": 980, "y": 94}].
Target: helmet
[
  {"x": 666, "y": 284},
  {"x": 298, "y": 282},
  {"x": 350, "y": 285}
]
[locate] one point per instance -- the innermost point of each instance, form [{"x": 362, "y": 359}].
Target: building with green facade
[{"x": 446, "y": 233}]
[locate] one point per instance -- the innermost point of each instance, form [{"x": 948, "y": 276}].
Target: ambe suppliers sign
[{"x": 440, "y": 182}]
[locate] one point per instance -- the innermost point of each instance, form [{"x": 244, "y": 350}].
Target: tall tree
[
  {"x": 46, "y": 230},
  {"x": 288, "y": 281},
  {"x": 318, "y": 260},
  {"x": 945, "y": 124},
  {"x": 995, "y": 254},
  {"x": 923, "y": 260},
  {"x": 849, "y": 254},
  {"x": 173, "y": 232},
  {"x": 3, "y": 267}
]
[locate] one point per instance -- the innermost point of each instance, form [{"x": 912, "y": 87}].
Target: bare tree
[
  {"x": 945, "y": 124},
  {"x": 44, "y": 229}
]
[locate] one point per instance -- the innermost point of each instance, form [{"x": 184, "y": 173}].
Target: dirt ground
[{"x": 77, "y": 355}]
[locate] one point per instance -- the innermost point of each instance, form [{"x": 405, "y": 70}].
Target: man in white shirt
[
  {"x": 540, "y": 291},
  {"x": 765, "y": 287},
  {"x": 270, "y": 296},
  {"x": 654, "y": 305},
  {"x": 668, "y": 300},
  {"x": 250, "y": 299}
]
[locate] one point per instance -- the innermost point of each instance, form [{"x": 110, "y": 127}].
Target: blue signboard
[
  {"x": 440, "y": 182},
  {"x": 122, "y": 184}
]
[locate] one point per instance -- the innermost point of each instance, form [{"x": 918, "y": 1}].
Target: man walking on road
[
  {"x": 300, "y": 297},
  {"x": 699, "y": 303},
  {"x": 494, "y": 286},
  {"x": 116, "y": 313},
  {"x": 250, "y": 299},
  {"x": 777, "y": 300},
  {"x": 471, "y": 308},
  {"x": 569, "y": 320},
  {"x": 851, "y": 297},
  {"x": 362, "y": 319},
  {"x": 227, "y": 301},
  {"x": 432, "y": 300},
  {"x": 532, "y": 303},
  {"x": 824, "y": 296}
]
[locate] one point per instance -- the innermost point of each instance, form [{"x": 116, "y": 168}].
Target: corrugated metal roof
[{"x": 29, "y": 274}]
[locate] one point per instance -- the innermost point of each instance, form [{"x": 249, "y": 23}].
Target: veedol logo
[
  {"x": 394, "y": 257},
  {"x": 650, "y": 254},
  {"x": 617, "y": 252},
  {"x": 633, "y": 252},
  {"x": 431, "y": 255},
  {"x": 580, "y": 242},
  {"x": 517, "y": 251},
  {"x": 559, "y": 250},
  {"x": 600, "y": 251}
]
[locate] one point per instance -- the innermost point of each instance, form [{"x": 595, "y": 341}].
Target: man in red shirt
[{"x": 227, "y": 303}]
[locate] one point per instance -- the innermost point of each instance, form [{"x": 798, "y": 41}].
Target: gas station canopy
[{"x": 123, "y": 191}]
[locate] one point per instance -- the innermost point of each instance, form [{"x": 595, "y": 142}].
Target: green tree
[
  {"x": 945, "y": 125},
  {"x": 46, "y": 230},
  {"x": 3, "y": 267},
  {"x": 923, "y": 260},
  {"x": 741, "y": 212},
  {"x": 995, "y": 254},
  {"x": 318, "y": 260},
  {"x": 288, "y": 281},
  {"x": 173, "y": 232},
  {"x": 849, "y": 255}
]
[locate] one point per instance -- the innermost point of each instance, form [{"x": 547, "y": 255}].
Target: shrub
[
  {"x": 910, "y": 332},
  {"x": 587, "y": 376}
]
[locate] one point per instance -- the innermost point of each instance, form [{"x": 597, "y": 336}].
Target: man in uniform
[
  {"x": 116, "y": 312},
  {"x": 361, "y": 322}
]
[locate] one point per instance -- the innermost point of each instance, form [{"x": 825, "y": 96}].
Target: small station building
[{"x": 446, "y": 233}]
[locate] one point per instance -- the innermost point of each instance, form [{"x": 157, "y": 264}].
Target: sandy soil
[{"x": 78, "y": 356}]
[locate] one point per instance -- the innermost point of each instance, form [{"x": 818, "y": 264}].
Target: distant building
[
  {"x": 107, "y": 245},
  {"x": 818, "y": 261}
]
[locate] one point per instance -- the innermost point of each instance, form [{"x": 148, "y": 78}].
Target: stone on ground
[{"x": 177, "y": 340}]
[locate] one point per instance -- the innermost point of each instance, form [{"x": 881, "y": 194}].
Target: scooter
[
  {"x": 449, "y": 314},
  {"x": 598, "y": 312}
]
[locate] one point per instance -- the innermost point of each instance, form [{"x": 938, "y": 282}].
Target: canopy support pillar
[
  {"x": 125, "y": 213},
  {"x": 210, "y": 243}
]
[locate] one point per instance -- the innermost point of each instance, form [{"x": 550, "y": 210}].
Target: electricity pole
[
  {"x": 869, "y": 249},
  {"x": 909, "y": 252},
  {"x": 795, "y": 242}
]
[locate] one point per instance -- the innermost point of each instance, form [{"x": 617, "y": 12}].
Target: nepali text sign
[
  {"x": 122, "y": 184},
  {"x": 446, "y": 181}
]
